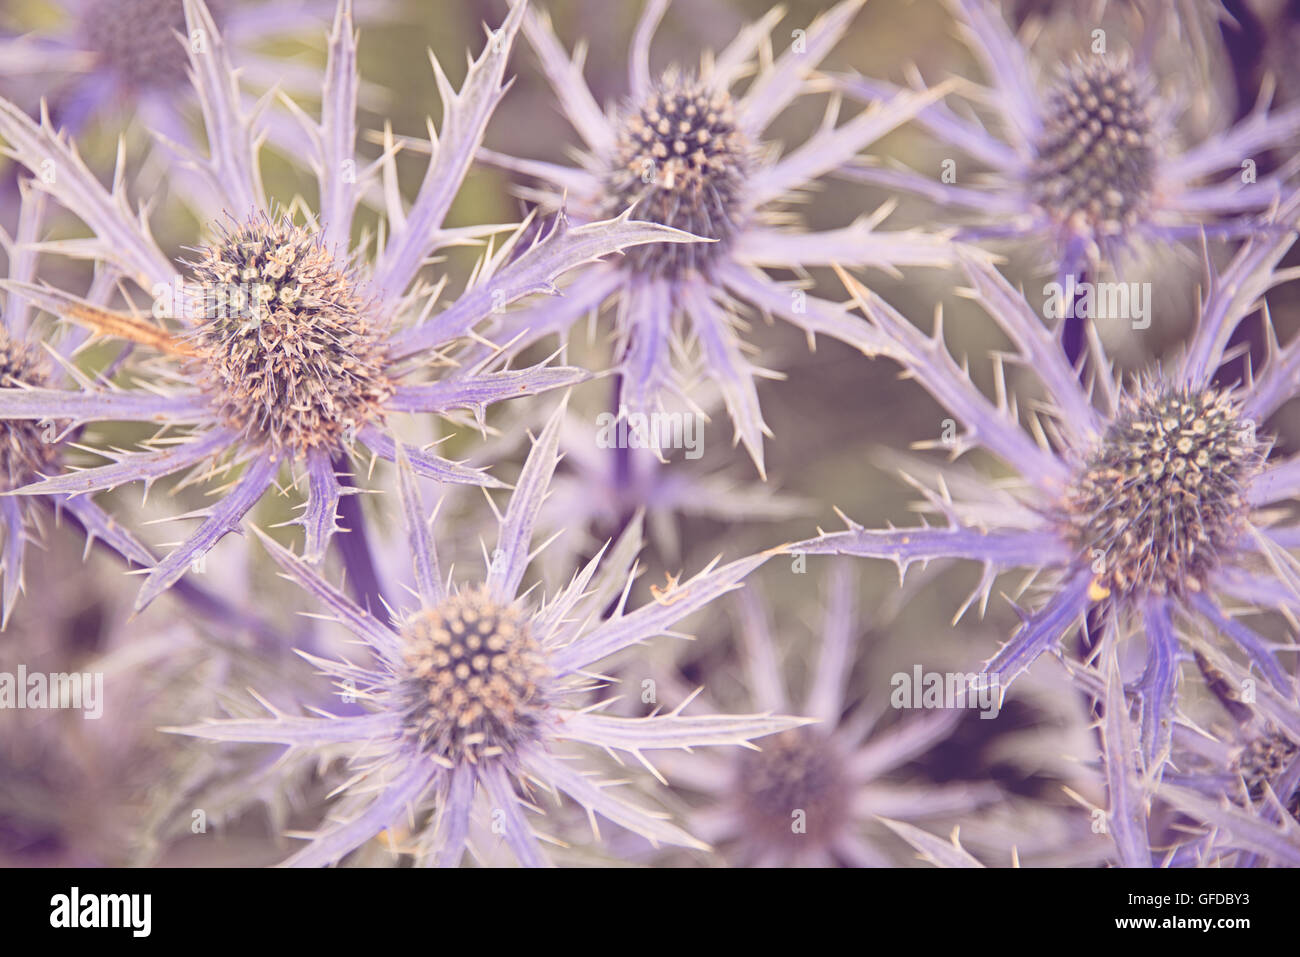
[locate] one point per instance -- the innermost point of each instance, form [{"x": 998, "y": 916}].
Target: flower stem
[{"x": 353, "y": 545}]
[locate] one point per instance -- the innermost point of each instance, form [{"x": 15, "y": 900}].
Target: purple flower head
[
  {"x": 1228, "y": 795},
  {"x": 1145, "y": 509},
  {"x": 101, "y": 58},
  {"x": 474, "y": 693},
  {"x": 686, "y": 151},
  {"x": 1082, "y": 163},
  {"x": 1244, "y": 789},
  {"x": 34, "y": 445},
  {"x": 812, "y": 796},
  {"x": 294, "y": 348}
]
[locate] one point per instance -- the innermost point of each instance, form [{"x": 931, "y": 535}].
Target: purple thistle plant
[
  {"x": 1141, "y": 510},
  {"x": 29, "y": 447},
  {"x": 1227, "y": 796},
  {"x": 835, "y": 777},
  {"x": 684, "y": 151},
  {"x": 477, "y": 690},
  {"x": 99, "y": 58},
  {"x": 1082, "y": 165},
  {"x": 294, "y": 346},
  {"x": 1242, "y": 781}
]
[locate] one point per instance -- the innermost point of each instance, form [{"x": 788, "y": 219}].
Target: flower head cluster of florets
[
  {"x": 476, "y": 677},
  {"x": 1162, "y": 497},
  {"x": 288, "y": 345},
  {"x": 25, "y": 447},
  {"x": 798, "y": 772},
  {"x": 1095, "y": 158},
  {"x": 1262, "y": 761},
  {"x": 682, "y": 162}
]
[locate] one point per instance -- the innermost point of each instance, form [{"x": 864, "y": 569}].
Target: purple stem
[
  {"x": 1072, "y": 336},
  {"x": 354, "y": 545}
]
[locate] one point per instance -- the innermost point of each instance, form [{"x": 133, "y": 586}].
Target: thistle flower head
[
  {"x": 24, "y": 453},
  {"x": 810, "y": 795},
  {"x": 136, "y": 40},
  {"x": 1095, "y": 158},
  {"x": 681, "y": 161},
  {"x": 797, "y": 769},
  {"x": 1162, "y": 497},
  {"x": 475, "y": 689},
  {"x": 1151, "y": 511},
  {"x": 475, "y": 675},
  {"x": 291, "y": 352},
  {"x": 1092, "y": 168},
  {"x": 1262, "y": 760},
  {"x": 281, "y": 358},
  {"x": 691, "y": 150}
]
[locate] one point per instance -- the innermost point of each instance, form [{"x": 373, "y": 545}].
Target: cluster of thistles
[{"x": 296, "y": 365}]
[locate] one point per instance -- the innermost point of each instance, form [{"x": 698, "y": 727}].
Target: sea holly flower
[
  {"x": 686, "y": 151},
  {"x": 1146, "y": 508},
  {"x": 1241, "y": 783},
  {"x": 1082, "y": 163},
  {"x": 32, "y": 446},
  {"x": 98, "y": 57},
  {"x": 476, "y": 691},
  {"x": 1242, "y": 780},
  {"x": 812, "y": 795},
  {"x": 294, "y": 348}
]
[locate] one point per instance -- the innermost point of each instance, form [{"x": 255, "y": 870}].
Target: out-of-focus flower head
[
  {"x": 86, "y": 778},
  {"x": 606, "y": 477},
  {"x": 475, "y": 692},
  {"x": 686, "y": 151},
  {"x": 1149, "y": 508},
  {"x": 293, "y": 346},
  {"x": 1083, "y": 163},
  {"x": 812, "y": 796},
  {"x": 109, "y": 58}
]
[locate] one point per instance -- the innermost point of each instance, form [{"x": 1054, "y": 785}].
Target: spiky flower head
[
  {"x": 681, "y": 160},
  {"x": 1261, "y": 761},
  {"x": 1148, "y": 510},
  {"x": 1095, "y": 160},
  {"x": 810, "y": 795},
  {"x": 1237, "y": 784},
  {"x": 476, "y": 688},
  {"x": 290, "y": 349},
  {"x": 1089, "y": 167},
  {"x": 280, "y": 357},
  {"x": 475, "y": 676},
  {"x": 1163, "y": 495},
  {"x": 102, "y": 63},
  {"x": 690, "y": 148}
]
